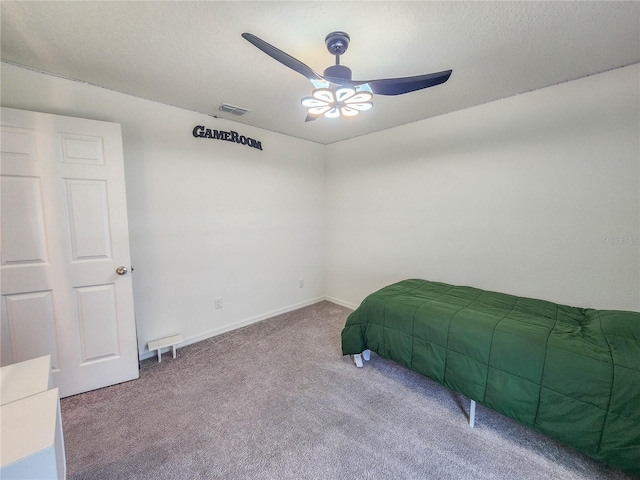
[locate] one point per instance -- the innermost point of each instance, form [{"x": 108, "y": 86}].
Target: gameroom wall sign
[{"x": 201, "y": 132}]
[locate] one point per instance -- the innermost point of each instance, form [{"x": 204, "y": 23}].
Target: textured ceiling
[{"x": 192, "y": 55}]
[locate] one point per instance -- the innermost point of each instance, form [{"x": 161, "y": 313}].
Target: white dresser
[{"x": 31, "y": 443}]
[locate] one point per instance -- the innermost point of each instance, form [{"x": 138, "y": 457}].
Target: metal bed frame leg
[
  {"x": 472, "y": 413},
  {"x": 357, "y": 358}
]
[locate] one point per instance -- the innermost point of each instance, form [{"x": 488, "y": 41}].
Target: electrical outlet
[
  {"x": 301, "y": 283},
  {"x": 217, "y": 302}
]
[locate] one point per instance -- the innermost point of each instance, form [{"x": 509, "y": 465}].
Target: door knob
[{"x": 121, "y": 270}]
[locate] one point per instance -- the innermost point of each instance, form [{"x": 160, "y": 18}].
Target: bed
[{"x": 570, "y": 373}]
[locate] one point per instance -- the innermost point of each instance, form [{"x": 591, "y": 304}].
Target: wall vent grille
[{"x": 226, "y": 107}]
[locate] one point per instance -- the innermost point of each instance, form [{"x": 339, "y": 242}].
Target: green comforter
[{"x": 570, "y": 373}]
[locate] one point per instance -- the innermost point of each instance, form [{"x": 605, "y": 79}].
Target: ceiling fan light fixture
[
  {"x": 349, "y": 112},
  {"x": 344, "y": 93},
  {"x": 336, "y": 102},
  {"x": 311, "y": 102},
  {"x": 361, "y": 107},
  {"x": 324, "y": 94},
  {"x": 360, "y": 97},
  {"x": 333, "y": 113},
  {"x": 318, "y": 110}
]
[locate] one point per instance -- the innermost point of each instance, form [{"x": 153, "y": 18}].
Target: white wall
[
  {"x": 535, "y": 195},
  {"x": 207, "y": 218}
]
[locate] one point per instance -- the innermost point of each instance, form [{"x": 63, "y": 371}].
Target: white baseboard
[
  {"x": 342, "y": 303},
  {"x": 243, "y": 323}
]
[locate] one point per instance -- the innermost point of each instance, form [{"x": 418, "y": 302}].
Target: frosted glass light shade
[{"x": 343, "y": 101}]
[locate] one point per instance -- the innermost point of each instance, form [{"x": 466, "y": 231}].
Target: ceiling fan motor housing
[
  {"x": 337, "y": 42},
  {"x": 338, "y": 71}
]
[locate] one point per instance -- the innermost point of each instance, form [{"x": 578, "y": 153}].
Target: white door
[{"x": 64, "y": 235}]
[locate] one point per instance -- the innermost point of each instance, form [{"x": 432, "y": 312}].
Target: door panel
[
  {"x": 97, "y": 319},
  {"x": 27, "y": 313},
  {"x": 82, "y": 149},
  {"x": 64, "y": 234},
  {"x": 18, "y": 143},
  {"x": 23, "y": 237},
  {"x": 88, "y": 214}
]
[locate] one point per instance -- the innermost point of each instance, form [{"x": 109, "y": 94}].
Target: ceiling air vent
[{"x": 225, "y": 107}]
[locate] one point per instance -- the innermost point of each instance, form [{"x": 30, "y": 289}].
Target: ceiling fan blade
[
  {"x": 311, "y": 118},
  {"x": 282, "y": 57},
  {"x": 397, "y": 86}
]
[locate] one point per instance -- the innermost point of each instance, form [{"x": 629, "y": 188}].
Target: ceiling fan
[{"x": 336, "y": 94}]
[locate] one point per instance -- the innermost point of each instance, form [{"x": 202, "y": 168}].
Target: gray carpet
[{"x": 277, "y": 400}]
